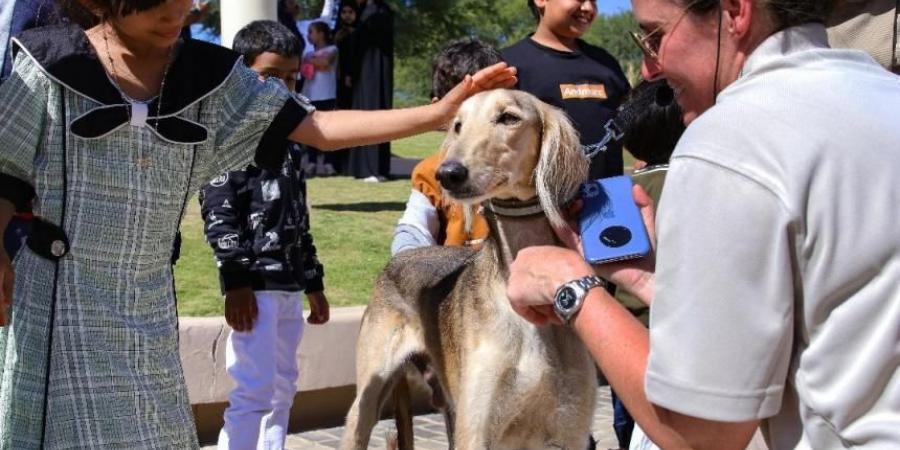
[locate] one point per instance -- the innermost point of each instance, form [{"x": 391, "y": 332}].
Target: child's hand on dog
[
  {"x": 498, "y": 76},
  {"x": 240, "y": 309}
]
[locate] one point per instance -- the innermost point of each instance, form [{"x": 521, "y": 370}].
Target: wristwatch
[{"x": 569, "y": 297}]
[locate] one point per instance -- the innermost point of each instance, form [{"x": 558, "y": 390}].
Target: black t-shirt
[{"x": 588, "y": 85}]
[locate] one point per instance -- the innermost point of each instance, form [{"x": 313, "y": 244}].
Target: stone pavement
[{"x": 430, "y": 433}]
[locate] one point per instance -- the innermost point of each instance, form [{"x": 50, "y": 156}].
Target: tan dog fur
[{"x": 502, "y": 382}]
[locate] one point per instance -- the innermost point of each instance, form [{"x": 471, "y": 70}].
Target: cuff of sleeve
[
  {"x": 315, "y": 280},
  {"x": 234, "y": 278},
  {"x": 712, "y": 404},
  {"x": 314, "y": 285},
  {"x": 270, "y": 152},
  {"x": 17, "y": 191}
]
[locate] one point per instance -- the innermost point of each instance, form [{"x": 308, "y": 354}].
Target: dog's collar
[{"x": 514, "y": 208}]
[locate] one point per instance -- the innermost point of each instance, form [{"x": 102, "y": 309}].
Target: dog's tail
[{"x": 403, "y": 416}]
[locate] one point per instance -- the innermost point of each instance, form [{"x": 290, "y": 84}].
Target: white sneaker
[{"x": 372, "y": 179}]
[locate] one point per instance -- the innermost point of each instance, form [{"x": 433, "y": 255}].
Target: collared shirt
[
  {"x": 778, "y": 270},
  {"x": 870, "y": 25}
]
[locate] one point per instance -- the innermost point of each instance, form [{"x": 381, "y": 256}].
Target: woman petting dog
[{"x": 774, "y": 301}]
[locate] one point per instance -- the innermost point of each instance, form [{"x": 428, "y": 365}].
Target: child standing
[
  {"x": 429, "y": 219},
  {"x": 257, "y": 222},
  {"x": 108, "y": 129},
  {"x": 583, "y": 80},
  {"x": 319, "y": 70}
]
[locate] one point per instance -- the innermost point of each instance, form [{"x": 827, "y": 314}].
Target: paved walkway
[{"x": 430, "y": 432}]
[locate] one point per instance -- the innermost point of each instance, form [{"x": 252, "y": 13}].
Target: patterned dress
[{"x": 90, "y": 360}]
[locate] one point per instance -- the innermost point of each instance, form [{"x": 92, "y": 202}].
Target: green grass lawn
[{"x": 352, "y": 224}]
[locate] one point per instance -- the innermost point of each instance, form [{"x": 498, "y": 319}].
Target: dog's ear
[{"x": 562, "y": 166}]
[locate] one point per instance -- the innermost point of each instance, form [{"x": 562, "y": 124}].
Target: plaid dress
[{"x": 90, "y": 360}]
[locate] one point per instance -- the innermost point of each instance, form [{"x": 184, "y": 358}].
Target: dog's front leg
[{"x": 474, "y": 429}]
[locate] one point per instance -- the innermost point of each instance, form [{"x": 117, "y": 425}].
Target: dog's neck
[{"x": 515, "y": 225}]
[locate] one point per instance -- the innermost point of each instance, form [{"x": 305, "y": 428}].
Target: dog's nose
[{"x": 452, "y": 175}]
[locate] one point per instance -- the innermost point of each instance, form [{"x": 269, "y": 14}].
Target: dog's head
[{"x": 509, "y": 145}]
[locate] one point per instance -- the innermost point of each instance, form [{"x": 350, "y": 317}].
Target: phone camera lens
[{"x": 615, "y": 236}]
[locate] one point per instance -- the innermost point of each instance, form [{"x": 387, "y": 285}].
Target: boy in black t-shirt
[{"x": 583, "y": 80}]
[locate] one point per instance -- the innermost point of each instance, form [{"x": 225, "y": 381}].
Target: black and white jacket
[{"x": 257, "y": 223}]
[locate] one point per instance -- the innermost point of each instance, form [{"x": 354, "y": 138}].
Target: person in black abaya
[
  {"x": 373, "y": 42},
  {"x": 347, "y": 64}
]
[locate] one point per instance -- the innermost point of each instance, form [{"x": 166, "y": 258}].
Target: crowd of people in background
[{"x": 348, "y": 63}]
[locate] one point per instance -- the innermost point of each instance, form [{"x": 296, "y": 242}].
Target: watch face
[{"x": 566, "y": 298}]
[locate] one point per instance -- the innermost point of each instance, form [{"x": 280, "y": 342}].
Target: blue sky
[{"x": 613, "y": 6}]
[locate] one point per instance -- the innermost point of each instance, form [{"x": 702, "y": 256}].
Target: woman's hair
[
  {"x": 266, "y": 36},
  {"x": 786, "y": 13},
  {"x": 88, "y": 13},
  {"x": 323, "y": 28},
  {"x": 651, "y": 122}
]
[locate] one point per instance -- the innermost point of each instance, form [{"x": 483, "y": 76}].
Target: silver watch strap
[{"x": 591, "y": 281}]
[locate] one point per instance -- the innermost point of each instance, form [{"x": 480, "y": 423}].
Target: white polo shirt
[{"x": 778, "y": 271}]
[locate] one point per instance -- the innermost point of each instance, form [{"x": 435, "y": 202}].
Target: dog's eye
[
  {"x": 456, "y": 127},
  {"x": 507, "y": 118}
]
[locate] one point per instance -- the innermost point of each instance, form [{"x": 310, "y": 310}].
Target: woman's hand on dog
[
  {"x": 536, "y": 274},
  {"x": 635, "y": 276},
  {"x": 498, "y": 76}
]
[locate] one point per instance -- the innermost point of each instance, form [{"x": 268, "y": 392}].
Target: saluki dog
[{"x": 501, "y": 382}]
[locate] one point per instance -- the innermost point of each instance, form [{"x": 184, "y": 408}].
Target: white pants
[{"x": 263, "y": 364}]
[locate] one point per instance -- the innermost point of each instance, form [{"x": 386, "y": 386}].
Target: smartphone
[{"x": 610, "y": 224}]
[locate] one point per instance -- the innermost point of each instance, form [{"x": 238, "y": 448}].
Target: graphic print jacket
[{"x": 257, "y": 223}]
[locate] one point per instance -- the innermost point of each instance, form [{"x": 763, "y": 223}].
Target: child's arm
[
  {"x": 418, "y": 227},
  {"x": 313, "y": 271},
  {"x": 334, "y": 130},
  {"x": 223, "y": 214},
  {"x": 421, "y": 223},
  {"x": 308, "y": 259},
  {"x": 324, "y": 59}
]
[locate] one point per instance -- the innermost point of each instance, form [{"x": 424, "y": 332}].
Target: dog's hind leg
[
  {"x": 387, "y": 342},
  {"x": 403, "y": 414}
]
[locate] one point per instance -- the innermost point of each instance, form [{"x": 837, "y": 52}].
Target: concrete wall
[{"x": 326, "y": 387}]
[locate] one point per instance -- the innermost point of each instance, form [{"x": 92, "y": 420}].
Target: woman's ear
[{"x": 738, "y": 16}]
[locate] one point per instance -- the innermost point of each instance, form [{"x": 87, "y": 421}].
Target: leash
[{"x": 614, "y": 134}]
